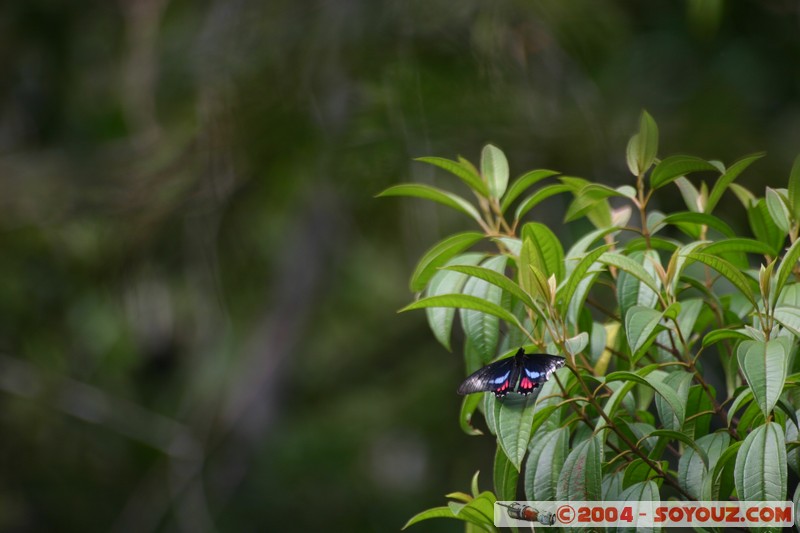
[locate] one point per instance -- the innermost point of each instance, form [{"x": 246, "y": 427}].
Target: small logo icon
[
  {"x": 529, "y": 514},
  {"x": 566, "y": 514}
]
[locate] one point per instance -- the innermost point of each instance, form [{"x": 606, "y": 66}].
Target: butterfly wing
[
  {"x": 536, "y": 369},
  {"x": 498, "y": 377}
]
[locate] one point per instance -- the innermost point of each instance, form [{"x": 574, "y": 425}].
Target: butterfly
[{"x": 521, "y": 374}]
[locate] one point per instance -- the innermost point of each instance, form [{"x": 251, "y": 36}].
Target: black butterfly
[{"x": 521, "y": 373}]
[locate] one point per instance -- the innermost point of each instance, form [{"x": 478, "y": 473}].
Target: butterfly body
[{"x": 522, "y": 374}]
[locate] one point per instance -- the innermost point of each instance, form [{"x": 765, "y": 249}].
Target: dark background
[{"x": 197, "y": 287}]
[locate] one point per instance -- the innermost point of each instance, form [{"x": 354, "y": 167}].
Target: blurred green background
[{"x": 197, "y": 287}]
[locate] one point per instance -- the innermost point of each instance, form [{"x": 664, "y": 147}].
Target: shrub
[{"x": 641, "y": 306}]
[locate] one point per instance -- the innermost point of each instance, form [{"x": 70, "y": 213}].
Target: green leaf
[
  {"x": 700, "y": 453},
  {"x": 693, "y": 467},
  {"x": 760, "y": 471},
  {"x": 640, "y": 329},
  {"x": 673, "y": 167},
  {"x": 464, "y": 301},
  {"x": 548, "y": 255},
  {"x": 438, "y": 255},
  {"x": 529, "y": 179},
  {"x": 764, "y": 365},
  {"x": 788, "y": 317},
  {"x": 495, "y": 278},
  {"x": 539, "y": 196},
  {"x": 483, "y": 329},
  {"x": 578, "y": 274},
  {"x": 468, "y": 406},
  {"x": 545, "y": 463},
  {"x": 643, "y": 146},
  {"x": 737, "y": 244},
  {"x": 636, "y": 472},
  {"x": 726, "y": 180},
  {"x": 581, "y": 477},
  {"x": 436, "y": 512},
  {"x": 699, "y": 219},
  {"x": 432, "y": 193},
  {"x": 631, "y": 267},
  {"x": 465, "y": 172},
  {"x": 788, "y": 263},
  {"x": 514, "y": 418},
  {"x": 494, "y": 167},
  {"x": 440, "y": 319},
  {"x": 764, "y": 227},
  {"x": 505, "y": 477},
  {"x": 679, "y": 382},
  {"x": 654, "y": 380},
  {"x": 730, "y": 272},
  {"x": 717, "y": 335},
  {"x": 713, "y": 487},
  {"x": 778, "y": 210},
  {"x": 691, "y": 196},
  {"x": 794, "y": 189},
  {"x": 474, "y": 484}
]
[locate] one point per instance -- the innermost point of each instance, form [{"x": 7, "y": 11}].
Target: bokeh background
[{"x": 197, "y": 287}]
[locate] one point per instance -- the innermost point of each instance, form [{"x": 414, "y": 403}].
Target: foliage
[{"x": 641, "y": 306}]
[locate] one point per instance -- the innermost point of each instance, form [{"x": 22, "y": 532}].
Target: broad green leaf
[
  {"x": 548, "y": 253},
  {"x": 713, "y": 488},
  {"x": 760, "y": 471},
  {"x": 581, "y": 477},
  {"x": 529, "y": 179},
  {"x": 794, "y": 189},
  {"x": 718, "y": 335},
  {"x": 505, "y": 476},
  {"x": 463, "y": 171},
  {"x": 432, "y": 193},
  {"x": 764, "y": 227},
  {"x": 693, "y": 467},
  {"x": 726, "y": 179},
  {"x": 698, "y": 402},
  {"x": 788, "y": 317},
  {"x": 698, "y": 219},
  {"x": 746, "y": 198},
  {"x": 637, "y": 471},
  {"x": 737, "y": 244},
  {"x": 778, "y": 210},
  {"x": 436, "y": 512},
  {"x": 545, "y": 462},
  {"x": 586, "y": 199},
  {"x": 578, "y": 274},
  {"x": 495, "y": 278},
  {"x": 468, "y": 406},
  {"x": 481, "y": 328},
  {"x": 539, "y": 196},
  {"x": 673, "y": 167},
  {"x": 514, "y": 418},
  {"x": 654, "y": 380},
  {"x": 691, "y": 196},
  {"x": 440, "y": 319},
  {"x": 494, "y": 167},
  {"x": 630, "y": 266},
  {"x": 644, "y": 491},
  {"x": 514, "y": 245},
  {"x": 640, "y": 329},
  {"x": 730, "y": 272},
  {"x": 636, "y": 283},
  {"x": 438, "y": 255},
  {"x": 612, "y": 486},
  {"x": 764, "y": 365},
  {"x": 578, "y": 343},
  {"x": 684, "y": 439},
  {"x": 581, "y": 246},
  {"x": 679, "y": 382},
  {"x": 787, "y": 265},
  {"x": 643, "y": 146},
  {"x": 620, "y": 392},
  {"x": 464, "y": 301}
]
